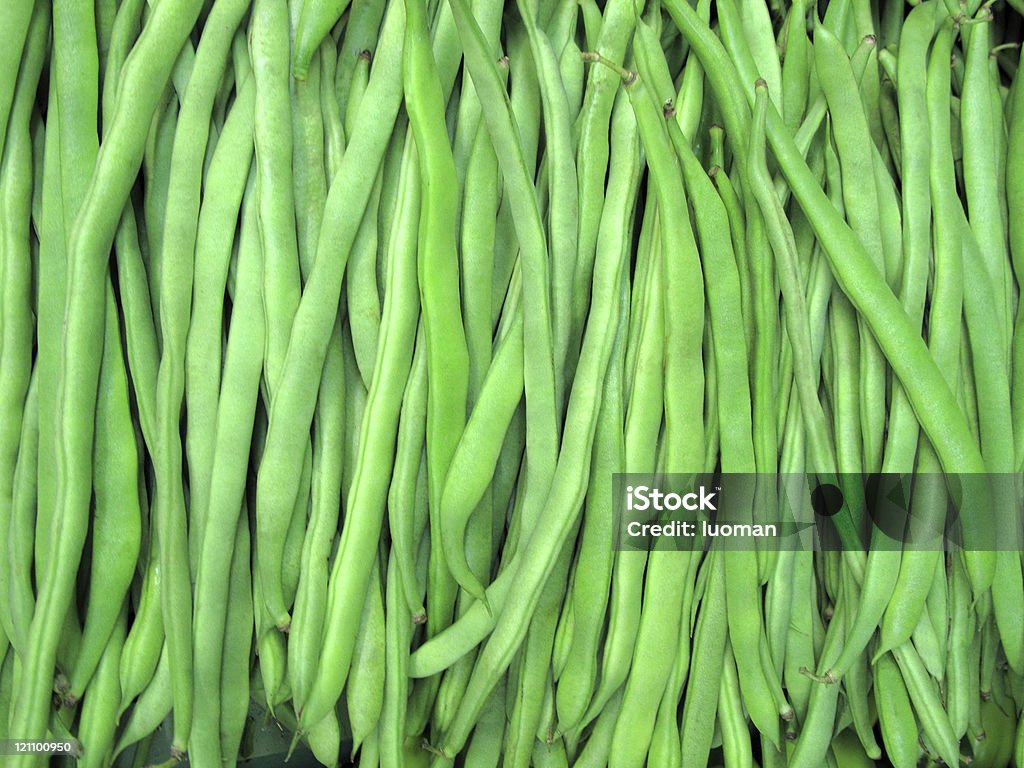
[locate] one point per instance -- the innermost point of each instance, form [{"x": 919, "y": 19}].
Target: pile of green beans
[{"x": 325, "y": 325}]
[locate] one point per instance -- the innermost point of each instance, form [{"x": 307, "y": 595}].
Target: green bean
[
  {"x": 291, "y": 562},
  {"x": 117, "y": 518},
  {"x": 315, "y": 23},
  {"x": 360, "y": 78},
  {"x": 1014, "y": 198},
  {"x": 324, "y": 740},
  {"x": 156, "y": 171},
  {"x": 350, "y": 572},
  {"x": 550, "y": 754},
  {"x": 235, "y": 670},
  {"x": 796, "y": 323},
  {"x": 361, "y": 34},
  {"x": 405, "y": 538},
  {"x": 150, "y": 709},
  {"x": 398, "y": 634},
  {"x": 145, "y": 641},
  {"x": 270, "y": 647},
  {"x": 644, "y": 415},
  {"x": 179, "y": 233},
  {"x": 476, "y": 455},
  {"x": 666, "y": 738},
  {"x": 690, "y": 96},
  {"x": 592, "y": 22},
  {"x": 308, "y": 163},
  {"x": 563, "y": 502},
  {"x": 724, "y": 299},
  {"x": 486, "y": 746},
  {"x": 6, "y": 685},
  {"x": 334, "y": 127},
  {"x": 562, "y": 185},
  {"x": 361, "y": 293},
  {"x": 795, "y": 66},
  {"x": 571, "y": 69},
  {"x": 328, "y": 467},
  {"x": 292, "y": 407},
  {"x": 916, "y": 151},
  {"x": 524, "y": 97},
  {"x": 225, "y": 186},
  {"x": 608, "y": 32},
  {"x": 735, "y": 738},
  {"x": 924, "y": 696},
  {"x": 96, "y": 730},
  {"x": 365, "y": 685},
  {"x": 659, "y": 628},
  {"x": 757, "y": 28},
  {"x": 20, "y": 542},
  {"x": 16, "y": 263},
  {"x": 903, "y": 348},
  {"x": 685, "y": 305},
  {"x": 90, "y": 247},
  {"x": 274, "y": 143},
  {"x": 854, "y": 147},
  {"x": 274, "y": 151},
  {"x": 857, "y": 684},
  {"x": 895, "y": 714},
  {"x": 479, "y": 211},
  {"x": 816, "y": 730},
  {"x": 468, "y": 118},
  {"x": 239, "y": 389},
  {"x": 593, "y": 569},
  {"x": 538, "y": 371},
  {"x": 595, "y": 752},
  {"x": 17, "y": 19},
  {"x": 801, "y": 644},
  {"x": 527, "y": 715},
  {"x": 50, "y": 293},
  {"x": 978, "y": 126}
]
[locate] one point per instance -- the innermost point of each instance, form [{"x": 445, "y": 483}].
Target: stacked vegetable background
[{"x": 325, "y": 326}]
